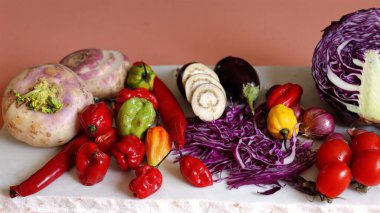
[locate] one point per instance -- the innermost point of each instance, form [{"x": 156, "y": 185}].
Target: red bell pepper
[
  {"x": 129, "y": 152},
  {"x": 148, "y": 180},
  {"x": 288, "y": 94},
  {"x": 126, "y": 94},
  {"x": 96, "y": 119},
  {"x": 195, "y": 172},
  {"x": 91, "y": 164},
  {"x": 107, "y": 140}
]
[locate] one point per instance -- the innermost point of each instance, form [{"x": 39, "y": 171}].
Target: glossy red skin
[
  {"x": 107, "y": 140},
  {"x": 335, "y": 150},
  {"x": 96, "y": 119},
  {"x": 148, "y": 181},
  {"x": 91, "y": 164},
  {"x": 53, "y": 169},
  {"x": 195, "y": 172},
  {"x": 366, "y": 168},
  {"x": 129, "y": 152},
  {"x": 333, "y": 179},
  {"x": 126, "y": 94},
  {"x": 288, "y": 94},
  {"x": 170, "y": 112},
  {"x": 364, "y": 141}
]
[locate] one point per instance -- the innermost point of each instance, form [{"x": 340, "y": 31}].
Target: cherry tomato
[
  {"x": 364, "y": 141},
  {"x": 333, "y": 179},
  {"x": 335, "y": 150},
  {"x": 366, "y": 168}
]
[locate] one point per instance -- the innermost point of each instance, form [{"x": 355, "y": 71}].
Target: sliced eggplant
[
  {"x": 197, "y": 68},
  {"x": 208, "y": 102},
  {"x": 195, "y": 80}
]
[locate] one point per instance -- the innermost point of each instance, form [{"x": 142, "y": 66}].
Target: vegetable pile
[
  {"x": 235, "y": 144},
  {"x": 346, "y": 66}
]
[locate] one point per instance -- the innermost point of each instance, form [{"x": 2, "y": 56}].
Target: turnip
[
  {"x": 103, "y": 71},
  {"x": 41, "y": 105}
]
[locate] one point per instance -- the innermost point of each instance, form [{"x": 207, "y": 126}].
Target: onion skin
[
  {"x": 298, "y": 111},
  {"x": 317, "y": 123},
  {"x": 41, "y": 129},
  {"x": 103, "y": 71}
]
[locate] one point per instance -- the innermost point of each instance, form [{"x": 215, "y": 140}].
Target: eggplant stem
[{"x": 250, "y": 93}]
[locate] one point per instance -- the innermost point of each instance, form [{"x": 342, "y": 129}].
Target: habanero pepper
[
  {"x": 91, "y": 164},
  {"x": 135, "y": 116},
  {"x": 158, "y": 145},
  {"x": 126, "y": 94},
  {"x": 288, "y": 94},
  {"x": 148, "y": 181},
  {"x": 140, "y": 75},
  {"x": 129, "y": 152},
  {"x": 53, "y": 169},
  {"x": 96, "y": 119},
  {"x": 170, "y": 112},
  {"x": 195, "y": 172},
  {"x": 107, "y": 140}
]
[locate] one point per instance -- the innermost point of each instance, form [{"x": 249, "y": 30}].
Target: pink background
[{"x": 265, "y": 32}]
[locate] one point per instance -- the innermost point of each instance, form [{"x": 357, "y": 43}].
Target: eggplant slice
[
  {"x": 197, "y": 68},
  {"x": 195, "y": 80},
  {"x": 208, "y": 102}
]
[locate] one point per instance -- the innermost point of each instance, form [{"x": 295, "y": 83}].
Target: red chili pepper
[
  {"x": 148, "y": 180},
  {"x": 195, "y": 172},
  {"x": 96, "y": 119},
  {"x": 106, "y": 141},
  {"x": 288, "y": 94},
  {"x": 170, "y": 112},
  {"x": 129, "y": 152},
  {"x": 126, "y": 94},
  {"x": 53, "y": 169},
  {"x": 91, "y": 164}
]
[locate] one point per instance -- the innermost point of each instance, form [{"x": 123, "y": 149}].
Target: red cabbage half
[
  {"x": 346, "y": 66},
  {"x": 236, "y": 150}
]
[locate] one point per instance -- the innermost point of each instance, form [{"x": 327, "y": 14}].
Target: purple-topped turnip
[
  {"x": 41, "y": 105},
  {"x": 104, "y": 71}
]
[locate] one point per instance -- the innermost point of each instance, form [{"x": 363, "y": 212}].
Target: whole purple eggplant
[{"x": 239, "y": 79}]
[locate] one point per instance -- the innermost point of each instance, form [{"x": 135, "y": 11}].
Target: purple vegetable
[
  {"x": 235, "y": 144},
  {"x": 317, "y": 123},
  {"x": 346, "y": 66},
  {"x": 239, "y": 79}
]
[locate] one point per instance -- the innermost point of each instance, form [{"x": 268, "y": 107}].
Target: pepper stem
[
  {"x": 145, "y": 76},
  {"x": 91, "y": 129},
  {"x": 250, "y": 93},
  {"x": 284, "y": 133},
  {"x": 163, "y": 159}
]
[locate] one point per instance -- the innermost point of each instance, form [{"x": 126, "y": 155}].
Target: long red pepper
[
  {"x": 53, "y": 169},
  {"x": 170, "y": 112}
]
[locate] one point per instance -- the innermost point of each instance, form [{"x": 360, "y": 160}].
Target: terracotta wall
[{"x": 265, "y": 32}]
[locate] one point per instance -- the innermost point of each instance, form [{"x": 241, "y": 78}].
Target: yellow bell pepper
[
  {"x": 281, "y": 122},
  {"x": 158, "y": 145}
]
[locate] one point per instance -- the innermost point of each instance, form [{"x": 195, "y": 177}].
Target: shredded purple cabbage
[{"x": 236, "y": 150}]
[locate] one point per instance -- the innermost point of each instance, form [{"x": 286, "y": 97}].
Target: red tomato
[
  {"x": 366, "y": 168},
  {"x": 333, "y": 179},
  {"x": 335, "y": 150},
  {"x": 364, "y": 141}
]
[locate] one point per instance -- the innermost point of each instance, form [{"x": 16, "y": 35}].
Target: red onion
[
  {"x": 298, "y": 111},
  {"x": 317, "y": 123}
]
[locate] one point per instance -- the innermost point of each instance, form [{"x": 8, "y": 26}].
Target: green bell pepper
[
  {"x": 135, "y": 116},
  {"x": 140, "y": 75}
]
